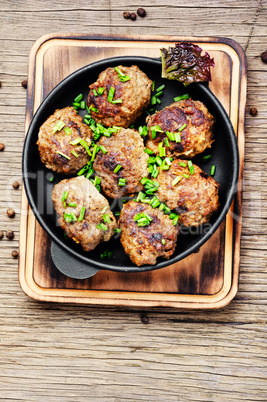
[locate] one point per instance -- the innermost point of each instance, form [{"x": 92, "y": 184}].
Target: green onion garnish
[
  {"x": 163, "y": 241},
  {"x": 76, "y": 105},
  {"x": 153, "y": 100},
  {"x": 58, "y": 126},
  {"x": 183, "y": 164},
  {"x": 122, "y": 182},
  {"x": 74, "y": 153},
  {"x": 172, "y": 215},
  {"x": 117, "y": 168},
  {"x": 106, "y": 218},
  {"x": 81, "y": 216},
  {"x": 61, "y": 153},
  {"x": 111, "y": 94},
  {"x": 159, "y": 161},
  {"x": 176, "y": 180},
  {"x": 178, "y": 98},
  {"x": 186, "y": 175},
  {"x": 122, "y": 77},
  {"x": 206, "y": 157},
  {"x": 142, "y": 219},
  {"x": 140, "y": 196},
  {"x": 95, "y": 93},
  {"x": 76, "y": 141},
  {"x": 117, "y": 230},
  {"x": 78, "y": 98},
  {"x": 190, "y": 167},
  {"x": 72, "y": 204},
  {"x": 175, "y": 220},
  {"x": 160, "y": 88},
  {"x": 82, "y": 105},
  {"x": 153, "y": 85},
  {"x": 64, "y": 196},
  {"x": 103, "y": 149},
  {"x": 67, "y": 130},
  {"x": 158, "y": 101},
  {"x": 148, "y": 151},
  {"x": 95, "y": 150},
  {"x": 170, "y": 135},
  {"x": 143, "y": 131},
  {"x": 177, "y": 137},
  {"x": 94, "y": 109},
  {"x": 212, "y": 170},
  {"x": 101, "y": 90},
  {"x": 101, "y": 226},
  {"x": 116, "y": 101},
  {"x": 182, "y": 127},
  {"x": 167, "y": 142},
  {"x": 52, "y": 178}
]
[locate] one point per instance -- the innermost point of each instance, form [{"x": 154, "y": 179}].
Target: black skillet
[{"x": 69, "y": 257}]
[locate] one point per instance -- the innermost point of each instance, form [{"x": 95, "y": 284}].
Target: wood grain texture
[{"x": 70, "y": 353}]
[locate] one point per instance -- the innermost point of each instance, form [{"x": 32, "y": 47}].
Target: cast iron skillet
[{"x": 67, "y": 255}]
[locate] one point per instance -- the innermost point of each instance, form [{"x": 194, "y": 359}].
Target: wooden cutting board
[{"x": 207, "y": 279}]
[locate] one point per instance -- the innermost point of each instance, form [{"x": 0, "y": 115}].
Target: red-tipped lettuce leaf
[{"x": 184, "y": 63}]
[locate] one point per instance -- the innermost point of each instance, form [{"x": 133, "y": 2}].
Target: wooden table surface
[{"x": 57, "y": 352}]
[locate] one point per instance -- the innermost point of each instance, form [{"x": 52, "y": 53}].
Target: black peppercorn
[
  {"x": 1, "y": 234},
  {"x": 10, "y": 234},
  {"x": 264, "y": 57},
  {"x": 24, "y": 84},
  {"x": 2, "y": 147},
  {"x": 15, "y": 185},
  {"x": 133, "y": 16},
  {"x": 14, "y": 254},
  {"x": 141, "y": 12},
  {"x": 10, "y": 213},
  {"x": 126, "y": 15},
  {"x": 144, "y": 319},
  {"x": 253, "y": 111}
]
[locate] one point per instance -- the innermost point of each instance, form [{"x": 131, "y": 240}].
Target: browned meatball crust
[
  {"x": 195, "y": 137},
  {"x": 82, "y": 192},
  {"x": 196, "y": 198},
  {"x": 125, "y": 148},
  {"x": 51, "y": 144},
  {"x": 144, "y": 244},
  {"x": 135, "y": 95}
]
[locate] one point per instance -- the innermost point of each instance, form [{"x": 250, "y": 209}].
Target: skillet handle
[{"x": 69, "y": 265}]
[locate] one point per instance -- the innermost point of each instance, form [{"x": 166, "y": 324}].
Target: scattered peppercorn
[
  {"x": 10, "y": 213},
  {"x": 126, "y": 15},
  {"x": 144, "y": 319},
  {"x": 253, "y": 111},
  {"x": 264, "y": 57},
  {"x": 14, "y": 254},
  {"x": 133, "y": 16},
  {"x": 2, "y": 147},
  {"x": 10, "y": 234},
  {"x": 141, "y": 12},
  {"x": 15, "y": 185},
  {"x": 1, "y": 234},
  {"x": 24, "y": 84}
]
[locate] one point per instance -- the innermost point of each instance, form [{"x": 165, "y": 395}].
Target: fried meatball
[
  {"x": 196, "y": 136},
  {"x": 144, "y": 244},
  {"x": 195, "y": 198},
  {"x": 89, "y": 203},
  {"x": 134, "y": 93},
  {"x": 53, "y": 143},
  {"x": 124, "y": 148}
]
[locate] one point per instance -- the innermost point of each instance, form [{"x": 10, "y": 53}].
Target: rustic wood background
[{"x": 58, "y": 352}]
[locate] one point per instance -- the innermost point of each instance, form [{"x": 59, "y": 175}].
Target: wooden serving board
[{"x": 207, "y": 279}]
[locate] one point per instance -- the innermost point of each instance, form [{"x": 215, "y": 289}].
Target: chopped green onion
[
  {"x": 81, "y": 216},
  {"x": 153, "y": 100},
  {"x": 74, "y": 153},
  {"x": 101, "y": 90},
  {"x": 160, "y": 88},
  {"x": 84, "y": 144},
  {"x": 117, "y": 213},
  {"x": 117, "y": 230},
  {"x": 182, "y": 127},
  {"x": 168, "y": 161},
  {"x": 158, "y": 101},
  {"x": 122, "y": 182},
  {"x": 78, "y": 98},
  {"x": 158, "y": 94},
  {"x": 122, "y": 77},
  {"x": 143, "y": 131},
  {"x": 61, "y": 153},
  {"x": 97, "y": 180},
  {"x": 52, "y": 178},
  {"x": 72, "y": 204},
  {"x": 186, "y": 175},
  {"x": 206, "y": 157},
  {"x": 95, "y": 93},
  {"x": 177, "y": 137},
  {"x": 82, "y": 106},
  {"x": 146, "y": 200},
  {"x": 167, "y": 142},
  {"x": 153, "y": 85},
  {"x": 148, "y": 151},
  {"x": 151, "y": 159},
  {"x": 170, "y": 135},
  {"x": 212, "y": 170},
  {"x": 140, "y": 196},
  {"x": 183, "y": 164},
  {"x": 103, "y": 149},
  {"x": 101, "y": 226},
  {"x": 67, "y": 130},
  {"x": 76, "y": 141},
  {"x": 94, "y": 109},
  {"x": 163, "y": 241},
  {"x": 158, "y": 160},
  {"x": 117, "y": 168},
  {"x": 172, "y": 215},
  {"x": 162, "y": 152},
  {"x": 117, "y": 101},
  {"x": 86, "y": 121},
  {"x": 162, "y": 206},
  {"x": 106, "y": 218},
  {"x": 176, "y": 180},
  {"x": 64, "y": 196},
  {"x": 58, "y": 126},
  {"x": 190, "y": 167},
  {"x": 95, "y": 150},
  {"x": 155, "y": 203},
  {"x": 164, "y": 167},
  {"x": 175, "y": 220},
  {"x": 144, "y": 180},
  {"x": 111, "y": 94},
  {"x": 178, "y": 98}
]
